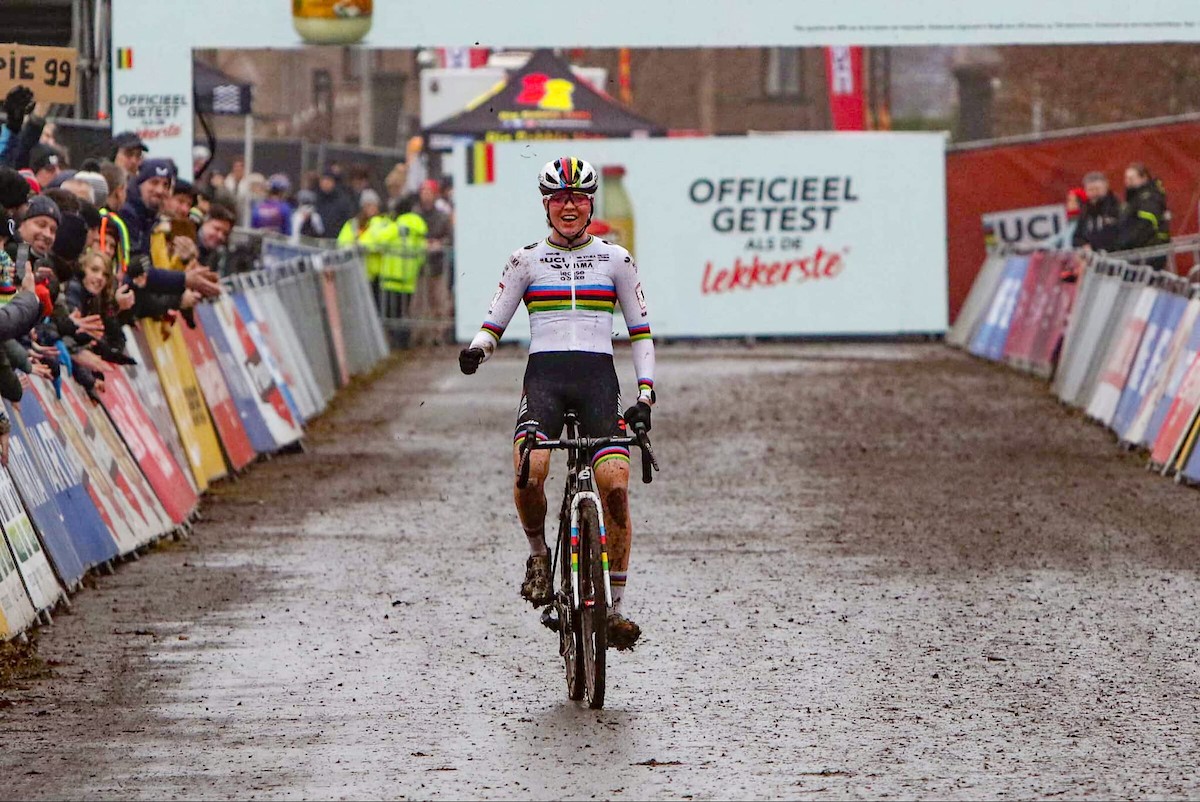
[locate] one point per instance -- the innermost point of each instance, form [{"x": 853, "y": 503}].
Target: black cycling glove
[
  {"x": 469, "y": 359},
  {"x": 639, "y": 413}
]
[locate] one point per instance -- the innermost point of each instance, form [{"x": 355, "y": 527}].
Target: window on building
[{"x": 785, "y": 73}]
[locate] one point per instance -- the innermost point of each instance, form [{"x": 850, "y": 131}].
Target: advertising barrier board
[
  {"x": 993, "y": 333},
  {"x": 130, "y": 492},
  {"x": 1182, "y": 411},
  {"x": 16, "y": 611},
  {"x": 44, "y": 591},
  {"x": 1049, "y": 336},
  {"x": 187, "y": 404},
  {"x": 276, "y": 328},
  {"x": 160, "y": 467},
  {"x": 61, "y": 473},
  {"x": 263, "y": 346},
  {"x": 1040, "y": 275},
  {"x": 272, "y": 406},
  {"x": 1147, "y": 365},
  {"x": 1128, "y": 289},
  {"x": 1120, "y": 358},
  {"x": 121, "y": 521},
  {"x": 41, "y": 502},
  {"x": 1182, "y": 351},
  {"x": 337, "y": 332},
  {"x": 144, "y": 379},
  {"x": 1075, "y": 388},
  {"x": 978, "y": 301},
  {"x": 285, "y": 326},
  {"x": 1081, "y": 311},
  {"x": 238, "y": 449},
  {"x": 132, "y": 479},
  {"x": 249, "y": 415}
]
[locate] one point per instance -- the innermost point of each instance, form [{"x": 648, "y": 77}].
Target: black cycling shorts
[{"x": 556, "y": 381}]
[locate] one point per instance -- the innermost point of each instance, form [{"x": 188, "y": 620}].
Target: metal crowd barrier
[
  {"x": 424, "y": 316},
  {"x": 331, "y": 314},
  {"x": 1125, "y": 355}
]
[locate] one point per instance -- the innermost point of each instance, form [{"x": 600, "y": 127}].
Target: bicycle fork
[{"x": 585, "y": 495}]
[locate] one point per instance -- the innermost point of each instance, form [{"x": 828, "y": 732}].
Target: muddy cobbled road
[{"x": 866, "y": 570}]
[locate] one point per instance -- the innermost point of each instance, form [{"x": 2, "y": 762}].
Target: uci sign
[{"x": 1025, "y": 229}]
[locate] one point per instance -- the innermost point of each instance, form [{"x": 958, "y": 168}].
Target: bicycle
[{"x": 579, "y": 611}]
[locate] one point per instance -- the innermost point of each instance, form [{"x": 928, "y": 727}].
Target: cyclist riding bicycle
[{"x": 570, "y": 282}]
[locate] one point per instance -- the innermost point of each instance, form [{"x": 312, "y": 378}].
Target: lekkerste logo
[{"x": 783, "y": 223}]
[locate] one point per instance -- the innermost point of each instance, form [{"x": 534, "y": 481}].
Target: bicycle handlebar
[
  {"x": 648, "y": 460},
  {"x": 526, "y": 450},
  {"x": 640, "y": 439}
]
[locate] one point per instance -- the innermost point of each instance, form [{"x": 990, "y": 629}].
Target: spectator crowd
[
  {"x": 405, "y": 226},
  {"x": 89, "y": 248}
]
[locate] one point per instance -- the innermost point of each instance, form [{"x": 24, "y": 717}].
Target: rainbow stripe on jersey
[
  {"x": 550, "y": 298},
  {"x": 639, "y": 332}
]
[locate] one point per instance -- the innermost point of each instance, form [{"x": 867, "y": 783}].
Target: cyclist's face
[{"x": 569, "y": 211}]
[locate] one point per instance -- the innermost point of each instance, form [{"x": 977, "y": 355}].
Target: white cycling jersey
[{"x": 570, "y": 294}]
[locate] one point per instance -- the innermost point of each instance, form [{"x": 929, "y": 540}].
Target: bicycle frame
[{"x": 579, "y": 488}]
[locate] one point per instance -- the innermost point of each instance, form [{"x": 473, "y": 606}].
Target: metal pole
[
  {"x": 366, "y": 105},
  {"x": 248, "y": 160},
  {"x": 98, "y": 24},
  {"x": 77, "y": 42}
]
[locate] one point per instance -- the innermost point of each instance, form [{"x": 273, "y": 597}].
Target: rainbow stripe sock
[{"x": 617, "y": 582}]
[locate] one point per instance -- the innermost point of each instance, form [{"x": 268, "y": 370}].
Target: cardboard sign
[{"x": 50, "y": 72}]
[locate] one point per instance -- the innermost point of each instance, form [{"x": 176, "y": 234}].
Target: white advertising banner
[
  {"x": 152, "y": 40},
  {"x": 635, "y": 23},
  {"x": 809, "y": 234},
  {"x": 152, "y": 96}
]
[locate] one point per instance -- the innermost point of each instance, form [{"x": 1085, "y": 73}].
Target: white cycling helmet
[{"x": 568, "y": 173}]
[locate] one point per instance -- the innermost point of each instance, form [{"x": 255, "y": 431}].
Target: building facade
[{"x": 372, "y": 97}]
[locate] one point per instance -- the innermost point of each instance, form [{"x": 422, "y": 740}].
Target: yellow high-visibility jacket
[
  {"x": 400, "y": 274},
  {"x": 376, "y": 238}
]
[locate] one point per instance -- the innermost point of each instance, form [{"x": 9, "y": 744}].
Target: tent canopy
[
  {"x": 218, "y": 93},
  {"x": 542, "y": 100}
]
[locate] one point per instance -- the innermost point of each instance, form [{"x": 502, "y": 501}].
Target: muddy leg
[
  {"x": 612, "y": 479},
  {"x": 531, "y": 501}
]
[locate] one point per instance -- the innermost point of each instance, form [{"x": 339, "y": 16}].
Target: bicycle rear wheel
[{"x": 593, "y": 615}]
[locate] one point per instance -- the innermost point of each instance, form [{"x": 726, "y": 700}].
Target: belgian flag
[
  {"x": 481, "y": 163},
  {"x": 124, "y": 58}
]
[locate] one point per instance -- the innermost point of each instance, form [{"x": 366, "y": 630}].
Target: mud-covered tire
[
  {"x": 593, "y": 619},
  {"x": 570, "y": 637}
]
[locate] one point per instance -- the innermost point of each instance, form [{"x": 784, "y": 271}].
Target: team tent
[{"x": 542, "y": 100}]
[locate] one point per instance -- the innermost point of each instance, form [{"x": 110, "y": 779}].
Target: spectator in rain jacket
[
  {"x": 400, "y": 274},
  {"x": 273, "y": 212},
  {"x": 333, "y": 203},
  {"x": 1144, "y": 219},
  {"x": 1096, "y": 228},
  {"x": 372, "y": 231}
]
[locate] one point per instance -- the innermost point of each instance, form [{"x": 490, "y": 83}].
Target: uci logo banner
[{"x": 1025, "y": 229}]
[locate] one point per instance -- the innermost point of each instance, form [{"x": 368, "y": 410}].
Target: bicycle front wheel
[
  {"x": 593, "y": 614},
  {"x": 570, "y": 637}
]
